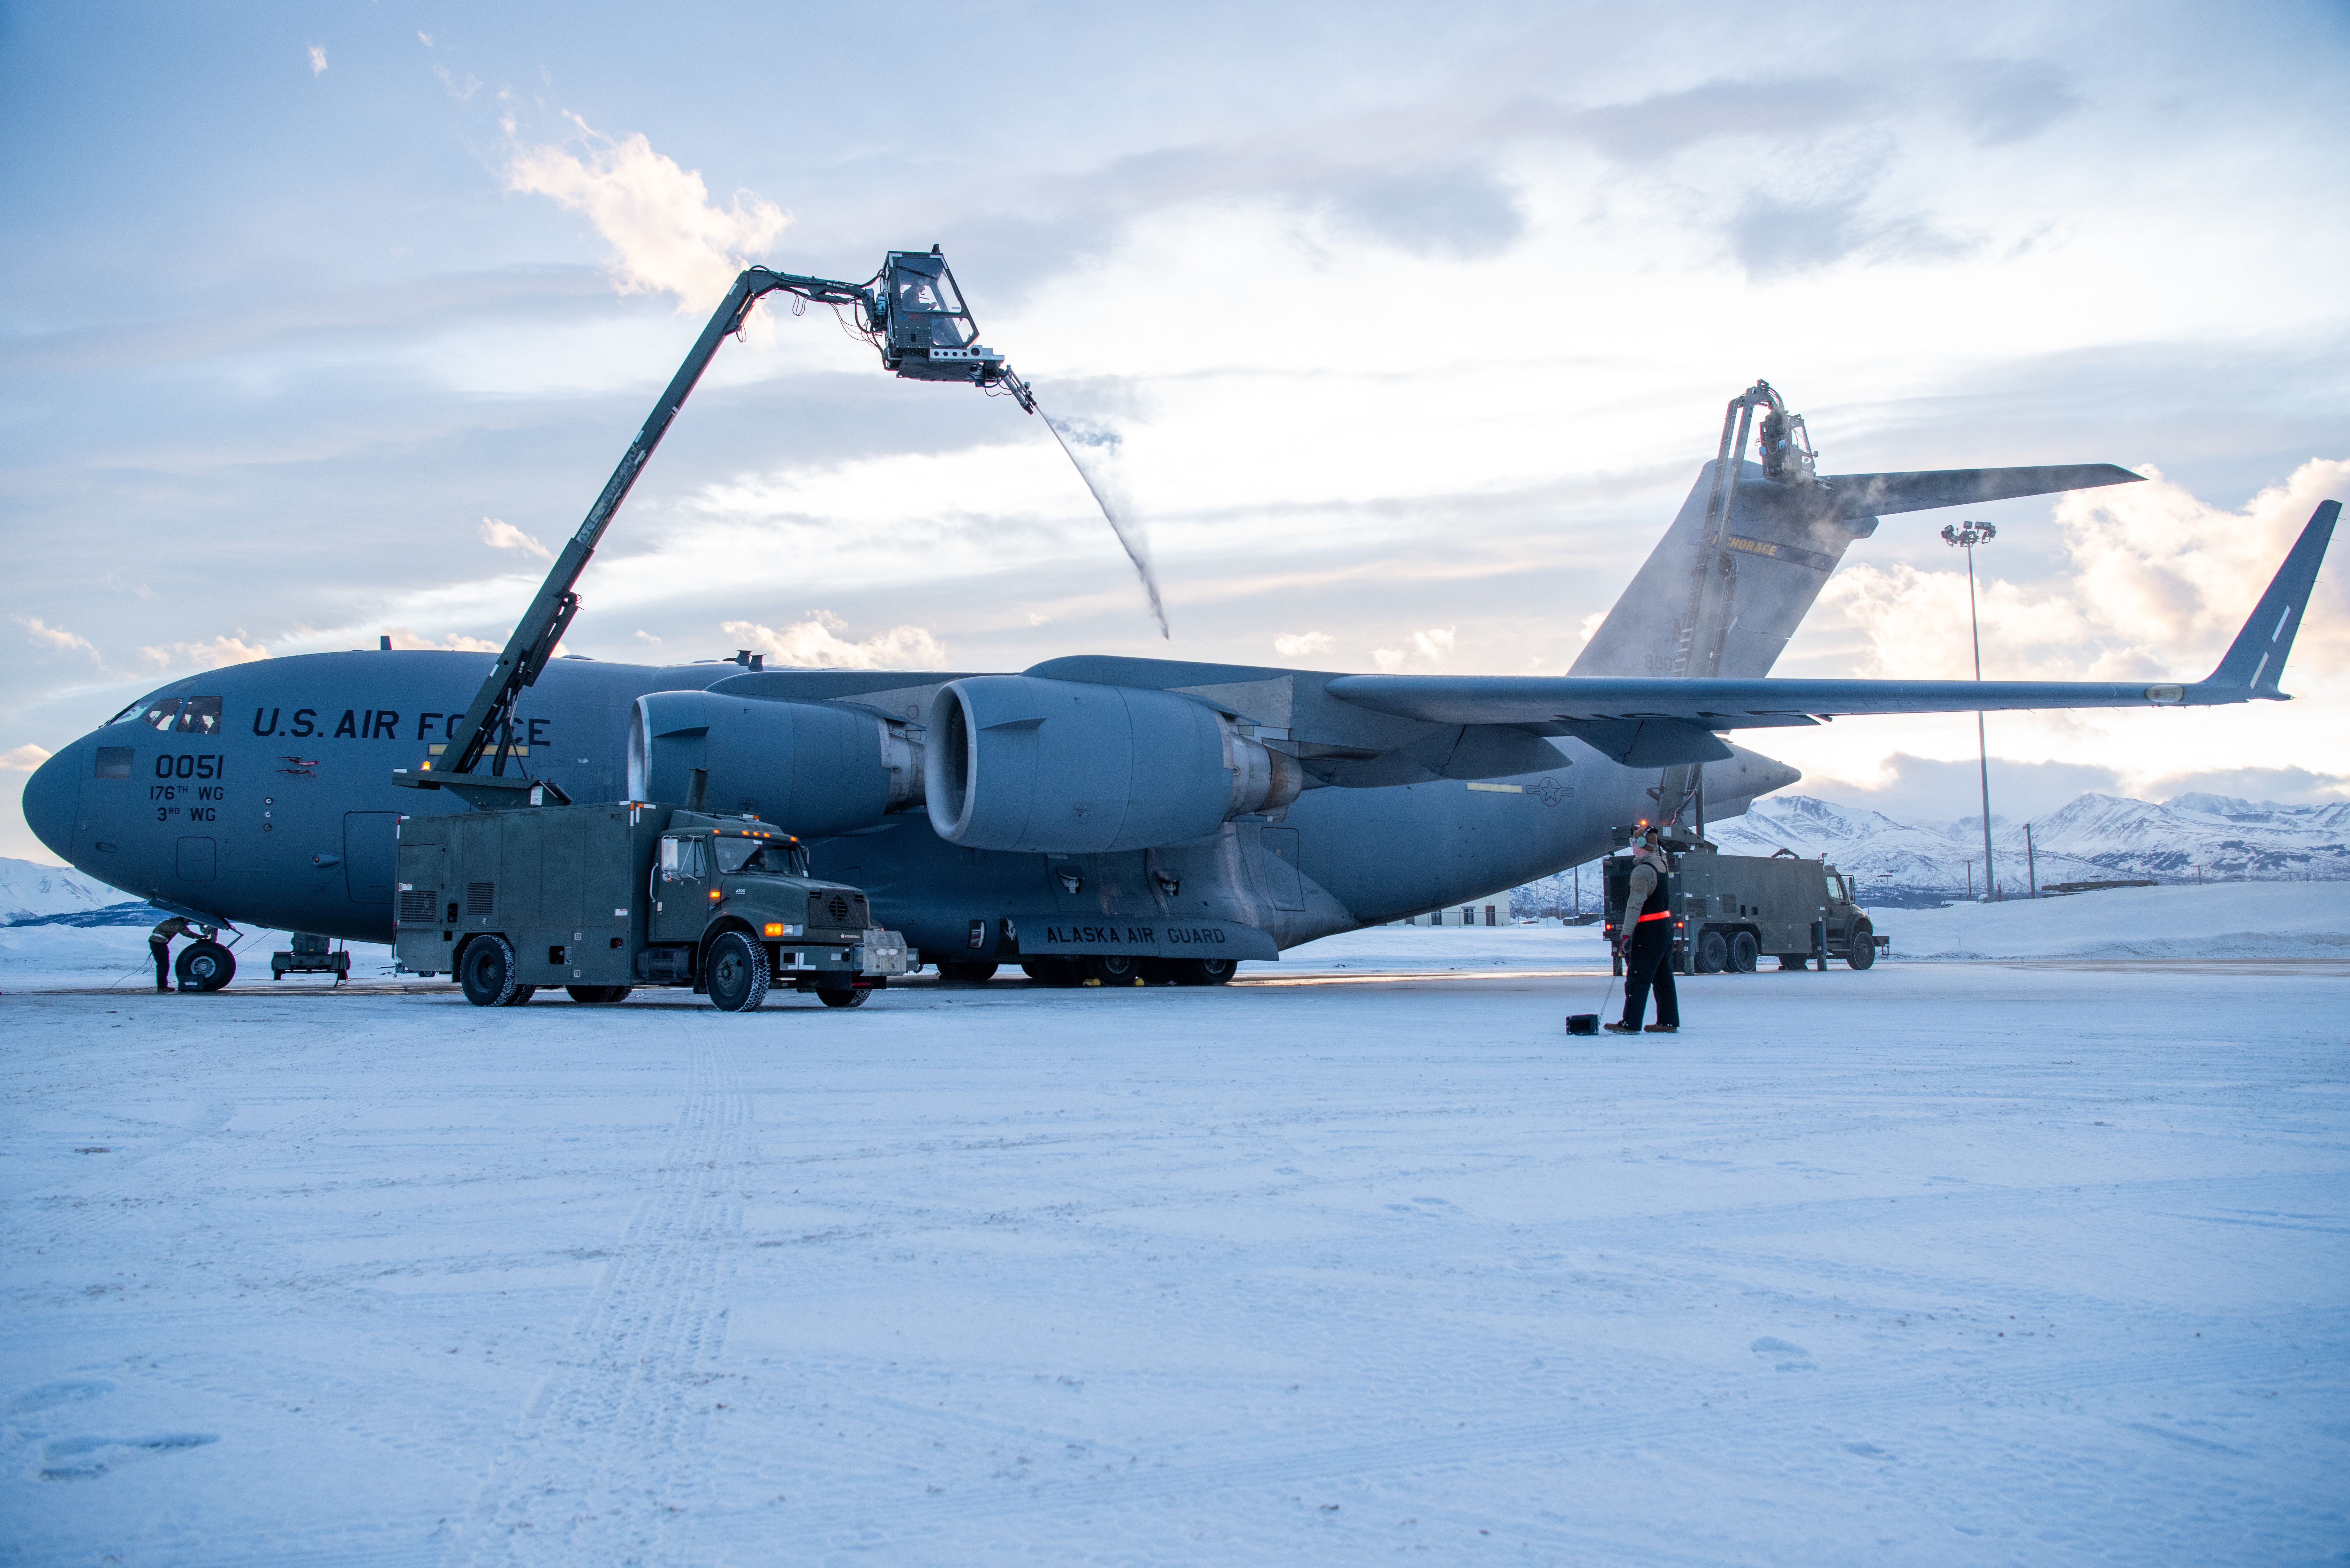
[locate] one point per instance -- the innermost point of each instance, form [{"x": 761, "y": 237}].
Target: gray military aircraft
[{"x": 1111, "y": 816}]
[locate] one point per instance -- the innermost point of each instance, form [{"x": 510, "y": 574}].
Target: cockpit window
[
  {"x": 161, "y": 713},
  {"x": 201, "y": 716}
]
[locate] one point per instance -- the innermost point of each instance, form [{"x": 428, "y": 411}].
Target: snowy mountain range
[
  {"x": 33, "y": 894},
  {"x": 2096, "y": 837}
]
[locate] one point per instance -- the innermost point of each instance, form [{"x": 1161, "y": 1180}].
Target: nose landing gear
[{"x": 204, "y": 965}]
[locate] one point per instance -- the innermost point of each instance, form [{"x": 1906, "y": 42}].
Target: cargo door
[
  {"x": 370, "y": 852},
  {"x": 562, "y": 867},
  {"x": 522, "y": 888},
  {"x": 423, "y": 874},
  {"x": 474, "y": 881},
  {"x": 425, "y": 907}
]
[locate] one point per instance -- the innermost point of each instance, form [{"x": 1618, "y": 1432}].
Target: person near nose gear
[
  {"x": 1647, "y": 944},
  {"x": 158, "y": 943}
]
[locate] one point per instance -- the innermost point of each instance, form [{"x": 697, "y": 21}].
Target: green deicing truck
[{"x": 602, "y": 898}]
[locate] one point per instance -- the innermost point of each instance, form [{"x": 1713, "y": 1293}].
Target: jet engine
[
  {"x": 811, "y": 768},
  {"x": 1020, "y": 762}
]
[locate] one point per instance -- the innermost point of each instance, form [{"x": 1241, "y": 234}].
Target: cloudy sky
[{"x": 1410, "y": 325}]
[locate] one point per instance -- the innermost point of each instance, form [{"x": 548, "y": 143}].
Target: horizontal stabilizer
[
  {"x": 1875, "y": 494},
  {"x": 2256, "y": 658}
]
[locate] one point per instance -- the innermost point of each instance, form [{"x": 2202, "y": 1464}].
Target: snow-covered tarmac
[{"x": 1945, "y": 1263}]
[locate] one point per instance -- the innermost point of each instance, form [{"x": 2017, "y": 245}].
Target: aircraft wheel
[
  {"x": 1743, "y": 950},
  {"x": 1115, "y": 969},
  {"x": 967, "y": 971},
  {"x": 486, "y": 973},
  {"x": 1201, "y": 971},
  {"x": 1862, "y": 953},
  {"x": 738, "y": 973},
  {"x": 847, "y": 996},
  {"x": 1053, "y": 972},
  {"x": 598, "y": 995},
  {"x": 204, "y": 965},
  {"x": 1713, "y": 953}
]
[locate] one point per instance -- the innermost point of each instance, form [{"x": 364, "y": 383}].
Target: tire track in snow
[
  {"x": 603, "y": 1467},
  {"x": 817, "y": 1529}
]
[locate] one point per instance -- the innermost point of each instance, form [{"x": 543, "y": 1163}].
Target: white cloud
[
  {"x": 2158, "y": 584},
  {"x": 1428, "y": 649},
  {"x": 1300, "y": 644},
  {"x": 39, "y": 631},
  {"x": 507, "y": 536},
  {"x": 461, "y": 91},
  {"x": 644, "y": 636},
  {"x": 403, "y": 639},
  {"x": 424, "y": 38},
  {"x": 317, "y": 59},
  {"x": 817, "y": 643},
  {"x": 209, "y": 654},
  {"x": 23, "y": 759},
  {"x": 2179, "y": 575},
  {"x": 669, "y": 236}
]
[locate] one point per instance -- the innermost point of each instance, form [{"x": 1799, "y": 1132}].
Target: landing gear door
[{"x": 681, "y": 889}]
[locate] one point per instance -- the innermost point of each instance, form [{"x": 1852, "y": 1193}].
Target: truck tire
[
  {"x": 598, "y": 995},
  {"x": 737, "y": 975},
  {"x": 1712, "y": 951},
  {"x": 522, "y": 993},
  {"x": 204, "y": 965},
  {"x": 1201, "y": 971},
  {"x": 967, "y": 971},
  {"x": 1862, "y": 953},
  {"x": 843, "y": 996},
  {"x": 1115, "y": 969},
  {"x": 486, "y": 972},
  {"x": 1743, "y": 952}
]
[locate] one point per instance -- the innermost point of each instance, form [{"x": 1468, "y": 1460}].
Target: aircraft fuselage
[{"x": 279, "y": 812}]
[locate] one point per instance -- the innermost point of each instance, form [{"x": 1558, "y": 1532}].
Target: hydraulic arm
[{"x": 910, "y": 311}]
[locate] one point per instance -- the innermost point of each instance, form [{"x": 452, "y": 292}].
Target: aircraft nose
[{"x": 50, "y": 796}]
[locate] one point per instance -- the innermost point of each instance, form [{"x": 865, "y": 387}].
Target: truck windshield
[{"x": 737, "y": 855}]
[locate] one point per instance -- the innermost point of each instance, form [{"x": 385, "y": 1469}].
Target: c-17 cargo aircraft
[{"x": 1103, "y": 816}]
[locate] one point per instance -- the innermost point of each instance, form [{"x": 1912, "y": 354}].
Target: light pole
[{"x": 1966, "y": 537}]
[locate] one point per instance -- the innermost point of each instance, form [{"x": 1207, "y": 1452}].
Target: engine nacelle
[
  {"x": 1019, "y": 763},
  {"x": 810, "y": 768}
]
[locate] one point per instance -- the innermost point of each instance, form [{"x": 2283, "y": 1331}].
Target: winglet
[{"x": 2256, "y": 660}]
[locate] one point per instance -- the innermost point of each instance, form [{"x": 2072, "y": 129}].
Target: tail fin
[
  {"x": 1782, "y": 541},
  {"x": 2257, "y": 657}
]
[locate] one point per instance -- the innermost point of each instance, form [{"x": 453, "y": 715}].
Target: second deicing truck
[{"x": 1731, "y": 910}]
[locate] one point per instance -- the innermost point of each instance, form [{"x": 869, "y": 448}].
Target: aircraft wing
[{"x": 1663, "y": 720}]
